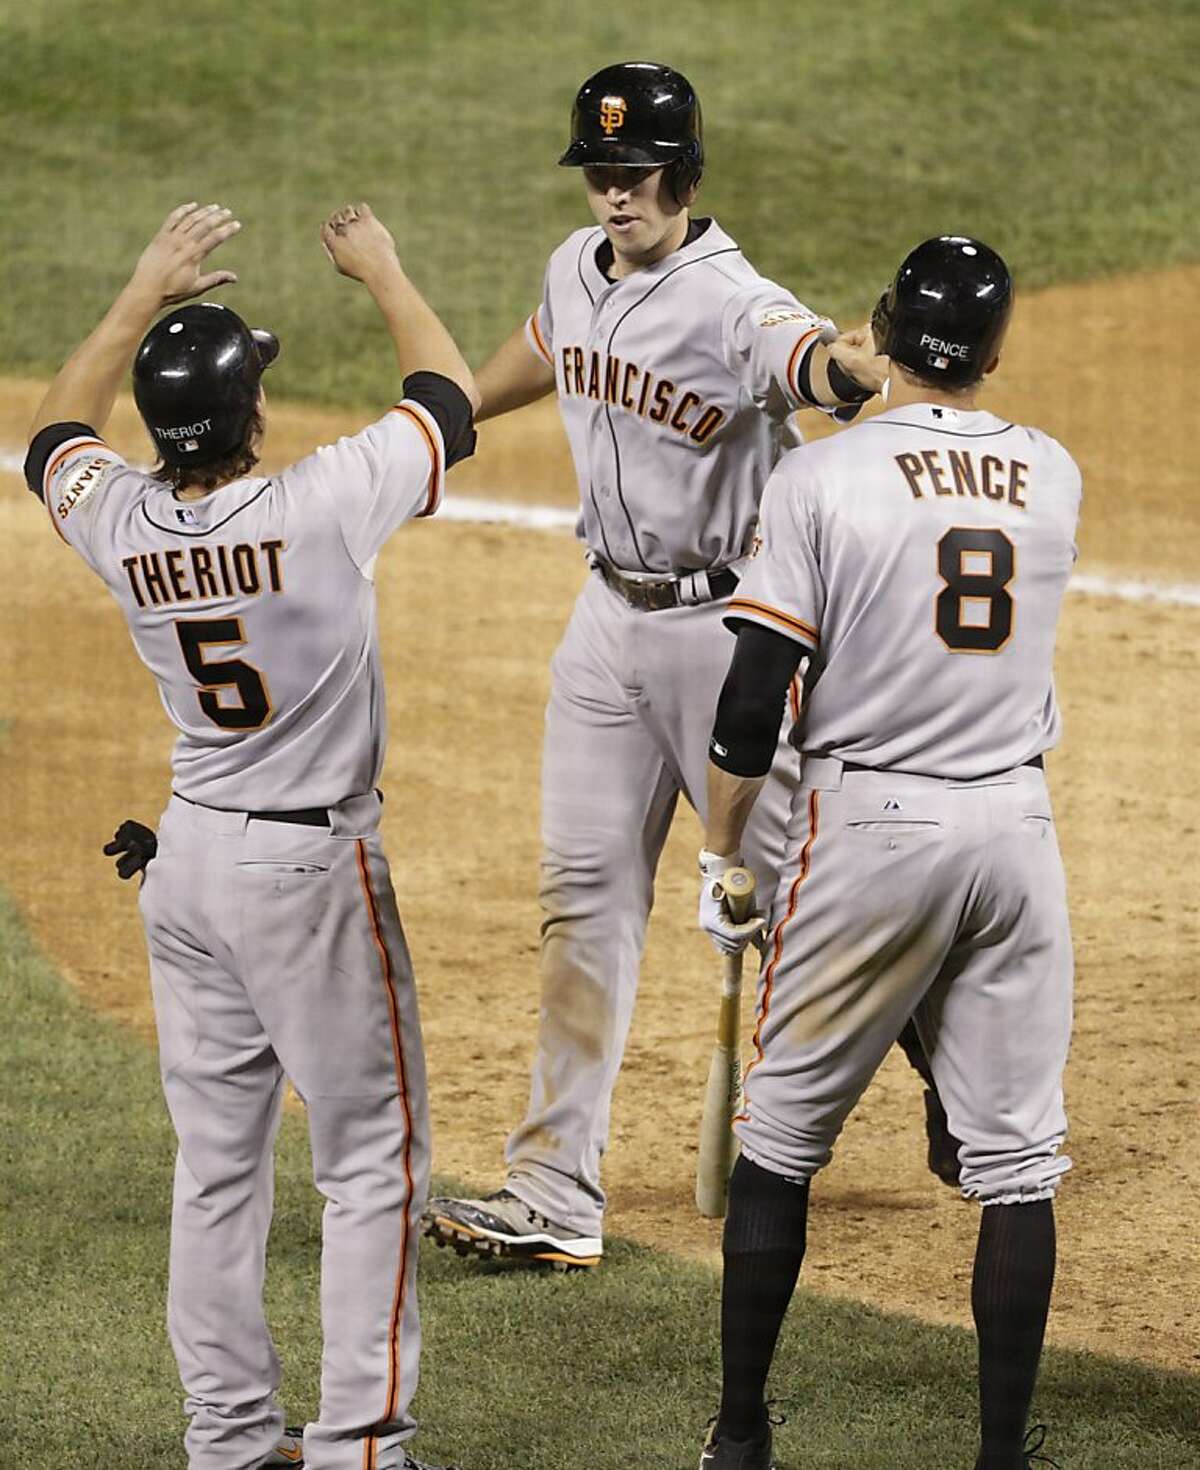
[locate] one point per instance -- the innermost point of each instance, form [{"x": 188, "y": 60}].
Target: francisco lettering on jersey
[
  {"x": 962, "y": 472},
  {"x": 194, "y": 573},
  {"x": 627, "y": 386}
]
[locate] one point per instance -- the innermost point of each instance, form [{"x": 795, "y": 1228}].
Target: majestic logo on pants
[{"x": 612, "y": 114}]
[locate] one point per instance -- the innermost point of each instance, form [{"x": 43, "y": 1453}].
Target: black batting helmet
[
  {"x": 638, "y": 114},
  {"x": 195, "y": 381},
  {"x": 945, "y": 314}
]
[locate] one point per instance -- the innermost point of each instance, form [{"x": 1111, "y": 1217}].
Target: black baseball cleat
[
  {"x": 504, "y": 1226},
  {"x": 1030, "y": 1454},
  {"x": 720, "y": 1452},
  {"x": 942, "y": 1157},
  {"x": 408, "y": 1463}
]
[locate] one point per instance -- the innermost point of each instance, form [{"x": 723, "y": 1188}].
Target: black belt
[
  {"x": 657, "y": 596},
  {"x": 1036, "y": 761},
  {"x": 309, "y": 816}
]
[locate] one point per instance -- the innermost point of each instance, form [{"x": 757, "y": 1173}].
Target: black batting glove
[{"x": 133, "y": 846}]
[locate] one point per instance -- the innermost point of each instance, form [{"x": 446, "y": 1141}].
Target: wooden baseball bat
[{"x": 723, "y": 1091}]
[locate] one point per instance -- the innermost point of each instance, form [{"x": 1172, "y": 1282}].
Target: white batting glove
[{"x": 727, "y": 937}]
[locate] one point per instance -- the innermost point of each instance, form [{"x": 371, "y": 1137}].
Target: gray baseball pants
[
  {"x": 276, "y": 949},
  {"x": 633, "y": 695},
  {"x": 906, "y": 894}
]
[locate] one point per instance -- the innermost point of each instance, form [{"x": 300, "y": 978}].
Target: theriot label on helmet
[{"x": 185, "y": 431}]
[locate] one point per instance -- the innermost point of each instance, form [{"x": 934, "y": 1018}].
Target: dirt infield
[{"x": 470, "y": 614}]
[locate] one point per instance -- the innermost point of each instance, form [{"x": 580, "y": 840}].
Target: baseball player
[
  {"x": 275, "y": 944},
  {"x": 918, "y": 562},
  {"x": 676, "y": 365}
]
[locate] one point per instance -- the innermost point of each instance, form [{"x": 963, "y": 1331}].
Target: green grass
[
  {"x": 838, "y": 135},
  {"x": 612, "y": 1371}
]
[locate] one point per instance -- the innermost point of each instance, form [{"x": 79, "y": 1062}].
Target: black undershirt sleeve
[
  {"x": 750, "y": 708},
  {"x": 450, "y": 406},
  {"x": 45, "y": 442}
]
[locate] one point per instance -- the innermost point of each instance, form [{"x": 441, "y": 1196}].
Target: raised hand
[
  {"x": 357, "y": 243},
  {"x": 171, "y": 265}
]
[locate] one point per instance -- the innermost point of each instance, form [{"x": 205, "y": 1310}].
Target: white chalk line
[{"x": 469, "y": 510}]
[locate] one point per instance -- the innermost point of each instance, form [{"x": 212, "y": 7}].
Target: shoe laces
[{"x": 1034, "y": 1440}]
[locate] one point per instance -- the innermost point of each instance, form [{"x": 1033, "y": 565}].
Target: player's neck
[
  {"x": 624, "y": 265},
  {"x": 202, "y": 492},
  {"x": 903, "y": 394}
]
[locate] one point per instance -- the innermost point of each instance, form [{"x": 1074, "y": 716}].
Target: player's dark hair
[
  {"x": 683, "y": 175},
  {"x": 232, "y": 466}
]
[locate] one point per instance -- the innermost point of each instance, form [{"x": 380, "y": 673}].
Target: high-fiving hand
[
  {"x": 170, "y": 267},
  {"x": 357, "y": 243}
]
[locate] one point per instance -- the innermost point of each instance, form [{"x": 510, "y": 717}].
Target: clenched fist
[{"x": 358, "y": 244}]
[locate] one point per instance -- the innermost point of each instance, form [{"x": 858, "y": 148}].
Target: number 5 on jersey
[
  {"x": 974, "y": 610},
  {"x": 217, "y": 677}
]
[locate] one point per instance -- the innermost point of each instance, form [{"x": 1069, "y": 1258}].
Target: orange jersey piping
[
  {"x": 370, "y": 1447},
  {"x": 785, "y": 620},
  {"x": 793, "y": 362},
  {"x": 814, "y": 822},
  {"x": 434, "y": 497},
  {"x": 539, "y": 339}
]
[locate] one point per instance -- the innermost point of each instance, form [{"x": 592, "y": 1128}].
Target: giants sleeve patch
[{"x": 69, "y": 485}]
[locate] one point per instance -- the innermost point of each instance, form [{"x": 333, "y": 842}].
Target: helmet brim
[
  {"x": 588, "y": 152},
  {"x": 266, "y": 344}
]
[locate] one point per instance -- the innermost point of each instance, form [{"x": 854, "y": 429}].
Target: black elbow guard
[{"x": 743, "y": 739}]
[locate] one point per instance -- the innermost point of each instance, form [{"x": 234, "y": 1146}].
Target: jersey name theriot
[
  {"x": 254, "y": 607},
  {"x": 922, "y": 556},
  {"x": 674, "y": 384},
  {"x": 199, "y": 573}
]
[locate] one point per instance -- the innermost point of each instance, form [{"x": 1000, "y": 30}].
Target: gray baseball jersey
[
  {"x": 674, "y": 383},
  {"x": 922, "y": 533},
  {"x": 922, "y": 557},
  {"x": 254, "y": 608}
]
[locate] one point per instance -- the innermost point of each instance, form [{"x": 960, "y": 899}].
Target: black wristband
[{"x": 843, "y": 387}]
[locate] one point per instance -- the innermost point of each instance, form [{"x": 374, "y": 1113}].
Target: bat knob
[{"x": 738, "y": 885}]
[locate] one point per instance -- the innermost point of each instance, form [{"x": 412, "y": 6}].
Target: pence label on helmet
[
  {"x": 961, "y": 350},
  {"x": 612, "y": 114}
]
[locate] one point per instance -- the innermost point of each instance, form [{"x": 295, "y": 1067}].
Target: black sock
[
  {"x": 765, "y": 1228},
  {"x": 1010, "y": 1297}
]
